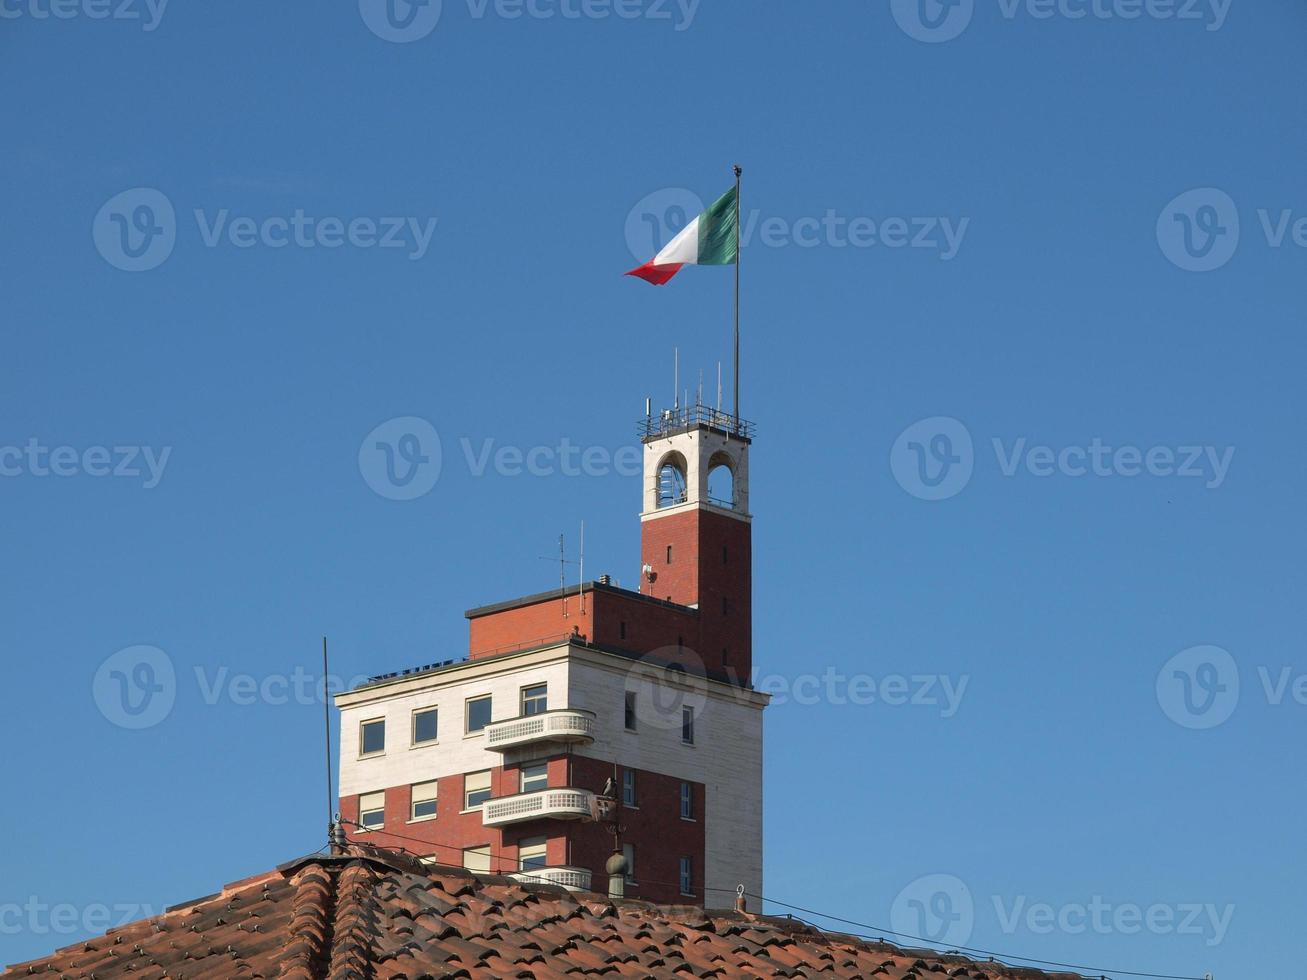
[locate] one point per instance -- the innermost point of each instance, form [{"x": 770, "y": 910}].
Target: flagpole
[{"x": 738, "y": 248}]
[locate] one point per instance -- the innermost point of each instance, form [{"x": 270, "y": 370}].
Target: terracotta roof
[{"x": 371, "y": 913}]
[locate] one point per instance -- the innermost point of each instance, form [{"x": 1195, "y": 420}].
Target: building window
[
  {"x": 621, "y": 629},
  {"x": 423, "y": 805},
  {"x": 531, "y": 854},
  {"x": 725, "y": 557},
  {"x": 726, "y": 605},
  {"x": 372, "y": 810},
  {"x": 628, "y": 852},
  {"x": 628, "y": 788},
  {"x": 477, "y": 859},
  {"x": 687, "y": 876},
  {"x": 535, "y": 699},
  {"x": 687, "y": 801},
  {"x": 372, "y": 737},
  {"x": 535, "y": 777},
  {"x": 426, "y": 723},
  {"x": 478, "y": 714},
  {"x": 476, "y": 789},
  {"x": 669, "y": 554},
  {"x": 687, "y": 725},
  {"x": 630, "y": 711}
]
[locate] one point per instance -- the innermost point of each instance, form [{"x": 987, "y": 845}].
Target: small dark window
[
  {"x": 426, "y": 725},
  {"x": 630, "y": 711},
  {"x": 622, "y": 629},
  {"x": 669, "y": 554},
  {"x": 687, "y": 725},
  {"x": 628, "y": 787},
  {"x": 687, "y": 801},
  {"x": 725, "y": 559},
  {"x": 478, "y": 714},
  {"x": 373, "y": 737}
]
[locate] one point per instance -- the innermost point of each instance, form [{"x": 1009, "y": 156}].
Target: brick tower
[{"x": 494, "y": 762}]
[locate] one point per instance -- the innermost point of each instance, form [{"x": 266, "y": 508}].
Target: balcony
[
  {"x": 573, "y": 879},
  {"x": 567, "y": 725},
  {"x": 548, "y": 804}
]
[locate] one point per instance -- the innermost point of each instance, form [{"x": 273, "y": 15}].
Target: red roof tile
[{"x": 375, "y": 914}]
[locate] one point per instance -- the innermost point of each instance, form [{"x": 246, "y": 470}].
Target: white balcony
[
  {"x": 548, "y": 804},
  {"x": 567, "y": 725},
  {"x": 573, "y": 879}
]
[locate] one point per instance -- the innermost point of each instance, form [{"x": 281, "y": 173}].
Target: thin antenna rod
[
  {"x": 326, "y": 717},
  {"x": 580, "y": 588},
  {"x": 676, "y": 377},
  {"x": 739, "y": 171},
  {"x": 719, "y": 387}
]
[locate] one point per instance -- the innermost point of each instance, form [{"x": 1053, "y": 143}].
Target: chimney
[{"x": 616, "y": 868}]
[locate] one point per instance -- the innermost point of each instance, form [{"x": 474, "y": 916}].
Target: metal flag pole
[{"x": 739, "y": 171}]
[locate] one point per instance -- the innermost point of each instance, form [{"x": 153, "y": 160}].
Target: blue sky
[{"x": 1037, "y": 463}]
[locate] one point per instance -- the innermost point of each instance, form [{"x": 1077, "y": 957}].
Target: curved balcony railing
[
  {"x": 566, "y": 803},
  {"x": 573, "y": 879},
  {"x": 566, "y": 725}
]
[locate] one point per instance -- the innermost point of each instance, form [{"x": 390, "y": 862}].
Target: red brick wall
[{"x": 525, "y": 626}]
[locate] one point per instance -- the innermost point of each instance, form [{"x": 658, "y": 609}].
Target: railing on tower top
[{"x": 671, "y": 421}]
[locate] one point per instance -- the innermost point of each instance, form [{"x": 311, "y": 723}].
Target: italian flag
[{"x": 713, "y": 238}]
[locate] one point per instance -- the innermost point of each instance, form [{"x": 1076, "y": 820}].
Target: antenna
[
  {"x": 676, "y": 377},
  {"x": 580, "y": 586},
  {"x": 719, "y": 387},
  {"x": 698, "y": 399},
  {"x": 326, "y": 718}
]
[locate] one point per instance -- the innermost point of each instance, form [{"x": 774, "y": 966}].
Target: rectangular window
[
  {"x": 372, "y": 737},
  {"x": 628, "y": 787},
  {"x": 630, "y": 711},
  {"x": 628, "y": 851},
  {"x": 669, "y": 554},
  {"x": 531, "y": 854},
  {"x": 477, "y": 859},
  {"x": 687, "y": 725},
  {"x": 724, "y": 555},
  {"x": 687, "y": 876},
  {"x": 622, "y": 629},
  {"x": 476, "y": 789},
  {"x": 535, "y": 699},
  {"x": 478, "y": 714},
  {"x": 687, "y": 801},
  {"x": 423, "y": 801},
  {"x": 372, "y": 810},
  {"x": 535, "y": 777},
  {"x": 426, "y": 723}
]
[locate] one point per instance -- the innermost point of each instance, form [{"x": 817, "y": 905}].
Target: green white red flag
[{"x": 713, "y": 238}]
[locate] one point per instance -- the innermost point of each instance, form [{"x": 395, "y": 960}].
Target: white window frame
[
  {"x": 522, "y": 698},
  {"x": 363, "y": 810},
  {"x": 630, "y": 797},
  {"x": 522, "y": 777},
  {"x": 538, "y": 846},
  {"x": 634, "y": 704},
  {"x": 362, "y": 738},
  {"x": 413, "y": 729},
  {"x": 480, "y": 851},
  {"x": 489, "y": 788},
  {"x": 686, "y": 876},
  {"x": 687, "y": 724},
  {"x": 413, "y": 800},
  {"x": 468, "y": 730},
  {"x": 687, "y": 801}
]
